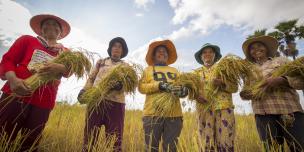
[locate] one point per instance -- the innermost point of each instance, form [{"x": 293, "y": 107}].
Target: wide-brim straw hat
[
  {"x": 172, "y": 55},
  {"x": 35, "y": 24},
  {"x": 270, "y": 42},
  {"x": 216, "y": 49}
]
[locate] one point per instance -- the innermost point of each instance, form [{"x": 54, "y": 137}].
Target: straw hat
[
  {"x": 271, "y": 43},
  {"x": 172, "y": 56},
  {"x": 217, "y": 50},
  {"x": 35, "y": 24}
]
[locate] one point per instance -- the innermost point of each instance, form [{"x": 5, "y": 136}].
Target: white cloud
[
  {"x": 204, "y": 16},
  {"x": 182, "y": 32},
  {"x": 14, "y": 21},
  {"x": 143, "y": 3},
  {"x": 139, "y": 14},
  {"x": 79, "y": 38}
]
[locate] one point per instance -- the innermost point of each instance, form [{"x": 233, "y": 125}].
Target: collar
[
  {"x": 160, "y": 64},
  {"x": 54, "y": 48}
]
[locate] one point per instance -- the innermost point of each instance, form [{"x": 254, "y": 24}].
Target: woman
[
  {"x": 157, "y": 78},
  {"x": 113, "y": 116},
  {"x": 29, "y": 110},
  {"x": 216, "y": 119},
  {"x": 279, "y": 115}
]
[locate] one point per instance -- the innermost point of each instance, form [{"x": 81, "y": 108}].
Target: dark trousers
[
  {"x": 272, "y": 132},
  {"x": 18, "y": 116},
  {"x": 112, "y": 118},
  {"x": 166, "y": 128}
]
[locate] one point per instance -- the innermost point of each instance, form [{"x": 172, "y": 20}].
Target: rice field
[{"x": 64, "y": 132}]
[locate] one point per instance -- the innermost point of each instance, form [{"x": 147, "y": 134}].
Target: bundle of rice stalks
[
  {"x": 292, "y": 69},
  {"x": 75, "y": 61},
  {"x": 126, "y": 74},
  {"x": 230, "y": 69},
  {"x": 164, "y": 102}
]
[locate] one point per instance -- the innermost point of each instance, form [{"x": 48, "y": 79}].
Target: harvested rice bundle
[
  {"x": 259, "y": 91},
  {"x": 192, "y": 82},
  {"x": 164, "y": 102},
  {"x": 230, "y": 69},
  {"x": 126, "y": 74},
  {"x": 77, "y": 63},
  {"x": 294, "y": 68}
]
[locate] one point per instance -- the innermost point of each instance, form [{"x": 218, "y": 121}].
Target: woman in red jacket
[{"x": 28, "y": 110}]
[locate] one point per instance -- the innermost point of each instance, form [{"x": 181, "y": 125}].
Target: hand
[
  {"x": 201, "y": 99},
  {"x": 81, "y": 92},
  {"x": 179, "y": 91},
  {"x": 117, "y": 86},
  {"x": 275, "y": 82},
  {"x": 219, "y": 83},
  {"x": 52, "y": 69},
  {"x": 18, "y": 86},
  {"x": 164, "y": 86},
  {"x": 246, "y": 95}
]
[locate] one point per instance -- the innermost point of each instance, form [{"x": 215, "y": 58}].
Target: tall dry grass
[{"x": 64, "y": 132}]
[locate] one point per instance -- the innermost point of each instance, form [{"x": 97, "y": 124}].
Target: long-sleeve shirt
[
  {"x": 25, "y": 51},
  {"x": 283, "y": 102},
  {"x": 223, "y": 98},
  {"x": 102, "y": 67},
  {"x": 149, "y": 85}
]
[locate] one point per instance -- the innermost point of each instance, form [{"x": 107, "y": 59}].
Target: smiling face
[
  {"x": 116, "y": 51},
  {"x": 258, "y": 51},
  {"x": 160, "y": 55},
  {"x": 50, "y": 29},
  {"x": 208, "y": 56}
]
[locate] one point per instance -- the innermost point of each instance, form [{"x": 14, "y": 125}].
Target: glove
[
  {"x": 246, "y": 95},
  {"x": 164, "y": 86},
  {"x": 81, "y": 92},
  {"x": 179, "y": 91},
  {"x": 117, "y": 86}
]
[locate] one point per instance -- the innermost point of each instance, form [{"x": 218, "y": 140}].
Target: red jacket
[{"x": 17, "y": 59}]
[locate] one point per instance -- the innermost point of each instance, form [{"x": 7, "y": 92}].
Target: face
[
  {"x": 50, "y": 29},
  {"x": 208, "y": 56},
  {"x": 258, "y": 51},
  {"x": 116, "y": 51},
  {"x": 161, "y": 55}
]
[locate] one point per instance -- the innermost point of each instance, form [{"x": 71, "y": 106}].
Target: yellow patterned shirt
[{"x": 221, "y": 100}]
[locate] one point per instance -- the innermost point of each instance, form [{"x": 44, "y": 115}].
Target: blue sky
[{"x": 189, "y": 23}]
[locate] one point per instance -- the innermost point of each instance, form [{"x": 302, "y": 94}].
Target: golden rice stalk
[
  {"x": 164, "y": 102},
  {"x": 126, "y": 74},
  {"x": 77, "y": 63},
  {"x": 294, "y": 68},
  {"x": 192, "y": 82},
  {"x": 230, "y": 69}
]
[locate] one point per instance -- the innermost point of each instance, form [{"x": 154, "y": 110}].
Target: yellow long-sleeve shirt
[
  {"x": 221, "y": 100},
  {"x": 149, "y": 85}
]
